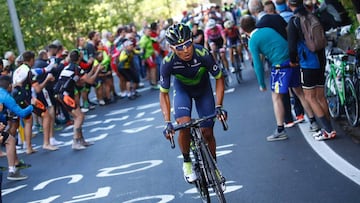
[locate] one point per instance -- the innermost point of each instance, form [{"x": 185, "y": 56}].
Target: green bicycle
[{"x": 339, "y": 88}]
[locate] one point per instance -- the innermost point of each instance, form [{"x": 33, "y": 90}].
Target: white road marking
[{"x": 331, "y": 157}]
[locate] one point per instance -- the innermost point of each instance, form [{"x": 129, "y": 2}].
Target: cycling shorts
[
  {"x": 204, "y": 102},
  {"x": 219, "y": 42},
  {"x": 284, "y": 78},
  {"x": 129, "y": 74},
  {"x": 312, "y": 78},
  {"x": 233, "y": 42}
]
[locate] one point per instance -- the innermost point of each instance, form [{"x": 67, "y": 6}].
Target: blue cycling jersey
[
  {"x": 191, "y": 82},
  {"x": 192, "y": 75}
]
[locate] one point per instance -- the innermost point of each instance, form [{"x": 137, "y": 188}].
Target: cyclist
[
  {"x": 233, "y": 41},
  {"x": 215, "y": 38},
  {"x": 190, "y": 64}
]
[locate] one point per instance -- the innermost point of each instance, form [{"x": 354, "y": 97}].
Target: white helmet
[
  {"x": 228, "y": 24},
  {"x": 211, "y": 23}
]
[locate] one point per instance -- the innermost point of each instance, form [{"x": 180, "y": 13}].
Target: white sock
[{"x": 12, "y": 169}]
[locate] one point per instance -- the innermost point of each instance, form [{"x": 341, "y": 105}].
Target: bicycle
[
  {"x": 204, "y": 165},
  {"x": 227, "y": 77},
  {"x": 237, "y": 62},
  {"x": 339, "y": 88}
]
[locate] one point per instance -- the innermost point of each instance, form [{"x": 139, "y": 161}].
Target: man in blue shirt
[{"x": 8, "y": 102}]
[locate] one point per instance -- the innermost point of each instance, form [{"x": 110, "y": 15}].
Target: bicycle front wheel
[
  {"x": 200, "y": 183},
  {"x": 213, "y": 174},
  {"x": 351, "y": 103},
  {"x": 238, "y": 72},
  {"x": 332, "y": 97}
]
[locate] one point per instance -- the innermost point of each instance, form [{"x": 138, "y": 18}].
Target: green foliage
[{"x": 43, "y": 21}]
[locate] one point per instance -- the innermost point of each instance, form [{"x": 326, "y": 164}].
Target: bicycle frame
[
  {"x": 337, "y": 63},
  {"x": 203, "y": 163}
]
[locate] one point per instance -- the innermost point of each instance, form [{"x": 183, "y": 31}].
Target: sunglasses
[{"x": 181, "y": 47}]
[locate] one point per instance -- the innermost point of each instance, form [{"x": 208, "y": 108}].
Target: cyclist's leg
[
  {"x": 213, "y": 49},
  {"x": 182, "y": 112},
  {"x": 205, "y": 106}
]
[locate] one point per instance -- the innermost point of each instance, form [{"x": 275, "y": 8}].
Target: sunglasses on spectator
[{"x": 182, "y": 46}]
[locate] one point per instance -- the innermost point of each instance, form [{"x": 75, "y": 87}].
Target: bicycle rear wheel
[
  {"x": 332, "y": 97},
  {"x": 351, "y": 103},
  {"x": 213, "y": 174}
]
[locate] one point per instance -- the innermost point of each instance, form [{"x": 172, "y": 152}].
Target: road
[{"x": 132, "y": 162}]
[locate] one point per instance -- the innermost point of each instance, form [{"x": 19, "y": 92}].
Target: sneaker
[
  {"x": 300, "y": 118},
  {"x": 91, "y": 106},
  {"x": 276, "y": 136},
  {"x": 140, "y": 85},
  {"x": 55, "y": 142},
  {"x": 155, "y": 87},
  {"x": 232, "y": 69},
  {"x": 314, "y": 127},
  {"x": 102, "y": 102},
  {"x": 22, "y": 165},
  {"x": 85, "y": 143},
  {"x": 289, "y": 125},
  {"x": 77, "y": 145},
  {"x": 84, "y": 109},
  {"x": 57, "y": 127},
  {"x": 16, "y": 176},
  {"x": 325, "y": 135},
  {"x": 189, "y": 175}
]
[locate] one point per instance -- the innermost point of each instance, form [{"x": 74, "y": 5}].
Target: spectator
[
  {"x": 8, "y": 102},
  {"x": 70, "y": 78},
  {"x": 312, "y": 70},
  {"x": 283, "y": 74},
  {"x": 149, "y": 57},
  {"x": 126, "y": 68}
]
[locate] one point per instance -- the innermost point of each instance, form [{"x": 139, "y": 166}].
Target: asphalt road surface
[{"x": 131, "y": 161}]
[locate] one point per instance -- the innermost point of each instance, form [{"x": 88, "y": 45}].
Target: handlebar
[{"x": 196, "y": 123}]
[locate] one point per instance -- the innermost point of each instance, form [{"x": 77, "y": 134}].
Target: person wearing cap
[
  {"x": 11, "y": 58},
  {"x": 191, "y": 65},
  {"x": 71, "y": 77},
  {"x": 25, "y": 91},
  {"x": 312, "y": 71},
  {"x": 283, "y": 10},
  {"x": 127, "y": 69}
]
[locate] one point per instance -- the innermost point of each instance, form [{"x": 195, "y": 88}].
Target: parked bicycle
[
  {"x": 204, "y": 165},
  {"x": 339, "y": 88}
]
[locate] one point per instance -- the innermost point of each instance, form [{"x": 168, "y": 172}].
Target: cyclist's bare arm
[
  {"x": 220, "y": 87},
  {"x": 165, "y": 105}
]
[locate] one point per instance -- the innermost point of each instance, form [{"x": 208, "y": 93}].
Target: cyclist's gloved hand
[
  {"x": 221, "y": 113},
  {"x": 169, "y": 130}
]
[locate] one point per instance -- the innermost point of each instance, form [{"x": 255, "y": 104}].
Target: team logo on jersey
[
  {"x": 195, "y": 61},
  {"x": 215, "y": 67}
]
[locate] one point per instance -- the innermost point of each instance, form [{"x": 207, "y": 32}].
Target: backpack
[{"x": 313, "y": 32}]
